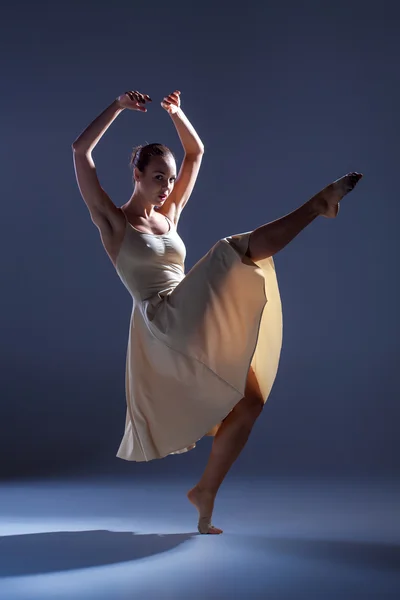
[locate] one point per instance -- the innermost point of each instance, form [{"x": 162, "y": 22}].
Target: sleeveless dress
[{"x": 192, "y": 338}]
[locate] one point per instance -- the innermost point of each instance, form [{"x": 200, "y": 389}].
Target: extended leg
[
  {"x": 267, "y": 240},
  {"x": 229, "y": 441}
]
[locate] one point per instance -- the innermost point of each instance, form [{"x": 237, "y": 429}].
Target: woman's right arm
[
  {"x": 92, "y": 134},
  {"x": 102, "y": 210}
]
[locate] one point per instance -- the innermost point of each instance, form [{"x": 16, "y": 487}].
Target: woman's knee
[{"x": 250, "y": 408}]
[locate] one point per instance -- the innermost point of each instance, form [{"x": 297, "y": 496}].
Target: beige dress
[{"x": 192, "y": 338}]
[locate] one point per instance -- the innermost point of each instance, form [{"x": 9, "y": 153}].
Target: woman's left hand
[{"x": 172, "y": 102}]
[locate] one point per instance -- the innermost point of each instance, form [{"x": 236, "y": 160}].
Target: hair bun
[{"x": 141, "y": 155}]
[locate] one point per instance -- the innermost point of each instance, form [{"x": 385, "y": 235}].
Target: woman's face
[{"x": 158, "y": 179}]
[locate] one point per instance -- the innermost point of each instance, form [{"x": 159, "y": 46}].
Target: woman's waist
[{"x": 159, "y": 287}]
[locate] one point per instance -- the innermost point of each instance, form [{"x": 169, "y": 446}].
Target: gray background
[{"x": 286, "y": 97}]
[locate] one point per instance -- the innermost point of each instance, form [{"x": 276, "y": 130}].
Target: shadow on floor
[
  {"x": 30, "y": 554},
  {"x": 36, "y": 553}
]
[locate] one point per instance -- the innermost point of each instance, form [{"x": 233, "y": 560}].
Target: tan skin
[
  {"x": 140, "y": 209},
  {"x": 158, "y": 178},
  {"x": 146, "y": 212}
]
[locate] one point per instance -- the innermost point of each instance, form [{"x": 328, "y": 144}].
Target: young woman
[{"x": 203, "y": 347}]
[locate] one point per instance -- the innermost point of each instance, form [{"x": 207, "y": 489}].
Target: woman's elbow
[{"x": 198, "y": 151}]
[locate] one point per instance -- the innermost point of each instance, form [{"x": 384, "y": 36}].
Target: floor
[{"x": 117, "y": 539}]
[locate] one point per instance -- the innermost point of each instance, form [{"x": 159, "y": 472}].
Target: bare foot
[
  {"x": 328, "y": 199},
  {"x": 204, "y": 502}
]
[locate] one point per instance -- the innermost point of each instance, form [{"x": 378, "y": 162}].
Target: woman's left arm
[
  {"x": 194, "y": 150},
  {"x": 191, "y": 142}
]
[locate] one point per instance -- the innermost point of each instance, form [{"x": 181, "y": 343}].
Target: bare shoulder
[{"x": 108, "y": 218}]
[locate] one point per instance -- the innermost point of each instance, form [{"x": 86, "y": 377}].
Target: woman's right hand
[{"x": 134, "y": 100}]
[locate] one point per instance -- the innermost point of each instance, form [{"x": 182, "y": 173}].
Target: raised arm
[
  {"x": 194, "y": 150},
  {"x": 89, "y": 138},
  {"x": 102, "y": 210}
]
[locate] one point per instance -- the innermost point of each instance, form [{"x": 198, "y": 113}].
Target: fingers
[
  {"x": 170, "y": 101},
  {"x": 173, "y": 98},
  {"x": 138, "y": 97},
  {"x": 175, "y": 95},
  {"x": 142, "y": 98}
]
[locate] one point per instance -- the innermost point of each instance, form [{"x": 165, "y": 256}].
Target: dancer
[{"x": 203, "y": 346}]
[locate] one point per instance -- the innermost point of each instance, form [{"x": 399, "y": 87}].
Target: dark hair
[{"x": 142, "y": 155}]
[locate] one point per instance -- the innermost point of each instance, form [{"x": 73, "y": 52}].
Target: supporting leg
[{"x": 228, "y": 443}]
